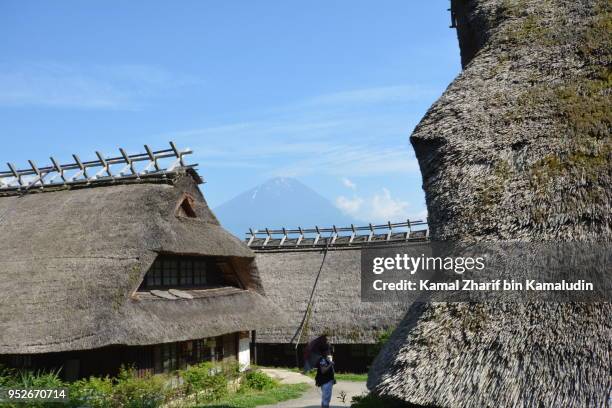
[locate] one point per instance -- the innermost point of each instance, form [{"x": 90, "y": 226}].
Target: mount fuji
[{"x": 279, "y": 202}]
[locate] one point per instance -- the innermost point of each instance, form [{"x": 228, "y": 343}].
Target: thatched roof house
[
  {"x": 76, "y": 265},
  {"x": 289, "y": 262},
  {"x": 517, "y": 148}
]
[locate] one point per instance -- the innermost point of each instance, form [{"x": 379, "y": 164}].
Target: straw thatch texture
[
  {"x": 496, "y": 355},
  {"x": 288, "y": 277},
  {"x": 160, "y": 321},
  {"x": 517, "y": 148},
  {"x": 71, "y": 259}
]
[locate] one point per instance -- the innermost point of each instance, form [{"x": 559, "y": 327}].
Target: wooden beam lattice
[
  {"x": 94, "y": 171},
  {"x": 411, "y": 230}
]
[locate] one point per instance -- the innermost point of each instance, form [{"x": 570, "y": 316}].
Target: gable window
[
  {"x": 170, "y": 271},
  {"x": 186, "y": 208}
]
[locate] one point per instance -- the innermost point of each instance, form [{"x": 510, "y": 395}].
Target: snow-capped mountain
[{"x": 279, "y": 202}]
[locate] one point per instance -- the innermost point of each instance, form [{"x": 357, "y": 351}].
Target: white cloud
[
  {"x": 348, "y": 183},
  {"x": 379, "y": 207},
  {"x": 23, "y": 89},
  {"x": 351, "y": 206},
  {"x": 364, "y": 160},
  {"x": 359, "y": 132},
  {"x": 385, "y": 207},
  {"x": 86, "y": 87},
  {"x": 297, "y": 148},
  {"x": 374, "y": 95}
]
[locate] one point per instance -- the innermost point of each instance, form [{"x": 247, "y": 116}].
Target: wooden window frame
[{"x": 168, "y": 271}]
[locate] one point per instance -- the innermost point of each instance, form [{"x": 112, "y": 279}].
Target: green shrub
[
  {"x": 7, "y": 376},
  {"x": 258, "y": 380},
  {"x": 207, "y": 381},
  {"x": 38, "y": 379},
  {"x": 30, "y": 379},
  {"x": 131, "y": 391},
  {"x": 126, "y": 391},
  {"x": 382, "y": 339},
  {"x": 230, "y": 369},
  {"x": 93, "y": 392}
]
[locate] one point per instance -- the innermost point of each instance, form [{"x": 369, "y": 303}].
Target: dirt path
[{"x": 312, "y": 397}]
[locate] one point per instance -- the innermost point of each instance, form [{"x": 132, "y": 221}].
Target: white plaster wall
[{"x": 244, "y": 353}]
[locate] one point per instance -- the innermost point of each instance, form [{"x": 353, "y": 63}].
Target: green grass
[
  {"x": 352, "y": 377},
  {"x": 339, "y": 376},
  {"x": 251, "y": 399}
]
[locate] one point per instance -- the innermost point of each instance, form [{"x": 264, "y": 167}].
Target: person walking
[{"x": 325, "y": 377}]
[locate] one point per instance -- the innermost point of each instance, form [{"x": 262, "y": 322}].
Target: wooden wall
[{"x": 152, "y": 359}]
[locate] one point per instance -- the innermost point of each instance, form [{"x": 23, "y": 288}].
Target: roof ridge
[
  {"x": 78, "y": 172},
  {"x": 312, "y": 237}
]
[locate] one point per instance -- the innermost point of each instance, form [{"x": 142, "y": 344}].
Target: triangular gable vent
[{"x": 186, "y": 208}]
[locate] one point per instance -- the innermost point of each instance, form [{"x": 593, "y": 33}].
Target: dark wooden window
[
  {"x": 199, "y": 272},
  {"x": 200, "y": 351},
  {"x": 170, "y": 272},
  {"x": 188, "y": 272},
  {"x": 169, "y": 359},
  {"x": 154, "y": 276},
  {"x": 143, "y": 360}
]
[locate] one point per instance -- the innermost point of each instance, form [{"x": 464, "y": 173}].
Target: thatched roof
[
  {"x": 71, "y": 259},
  {"x": 517, "y": 148},
  {"x": 288, "y": 276},
  {"x": 508, "y": 355}
]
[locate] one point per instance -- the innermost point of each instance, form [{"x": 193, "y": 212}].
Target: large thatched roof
[
  {"x": 288, "y": 276},
  {"x": 71, "y": 259},
  {"x": 518, "y": 147}
]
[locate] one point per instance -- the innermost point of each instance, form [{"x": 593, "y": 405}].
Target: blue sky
[{"x": 324, "y": 91}]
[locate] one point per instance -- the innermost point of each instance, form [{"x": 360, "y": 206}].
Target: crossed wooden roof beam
[
  {"x": 93, "y": 171},
  {"x": 337, "y": 236}
]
